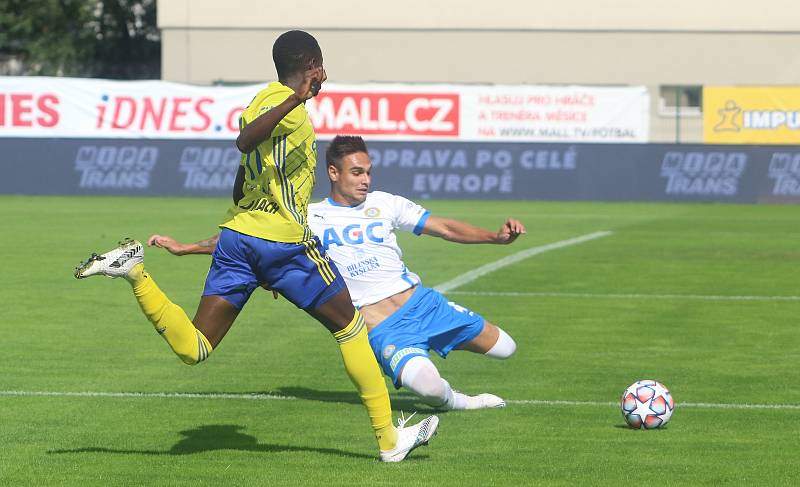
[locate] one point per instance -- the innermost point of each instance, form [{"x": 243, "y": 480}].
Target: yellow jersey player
[{"x": 265, "y": 240}]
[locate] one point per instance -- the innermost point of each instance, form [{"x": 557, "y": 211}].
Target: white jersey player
[
  {"x": 405, "y": 319},
  {"x": 364, "y": 245}
]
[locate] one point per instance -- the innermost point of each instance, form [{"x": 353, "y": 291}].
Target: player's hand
[
  {"x": 166, "y": 242},
  {"x": 510, "y": 230},
  {"x": 312, "y": 81}
]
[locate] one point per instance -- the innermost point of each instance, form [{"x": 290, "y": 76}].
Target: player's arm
[
  {"x": 238, "y": 186},
  {"x": 206, "y": 246},
  {"x": 174, "y": 247},
  {"x": 462, "y": 232},
  {"x": 262, "y": 127}
]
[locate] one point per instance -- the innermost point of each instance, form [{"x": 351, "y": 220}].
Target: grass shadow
[
  {"x": 217, "y": 437},
  {"x": 405, "y": 403}
]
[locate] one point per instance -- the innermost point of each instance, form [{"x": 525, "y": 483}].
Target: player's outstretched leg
[
  {"x": 420, "y": 376},
  {"x": 492, "y": 341},
  {"x": 359, "y": 361},
  {"x": 169, "y": 320}
]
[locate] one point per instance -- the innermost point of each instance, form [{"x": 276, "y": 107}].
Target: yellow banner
[{"x": 751, "y": 114}]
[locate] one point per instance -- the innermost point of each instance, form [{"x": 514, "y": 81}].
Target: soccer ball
[{"x": 646, "y": 404}]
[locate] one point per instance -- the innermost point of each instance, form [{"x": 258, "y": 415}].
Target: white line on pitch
[
  {"x": 157, "y": 395},
  {"x": 626, "y": 296},
  {"x": 470, "y": 276},
  {"x": 702, "y": 405},
  {"x": 276, "y": 397}
]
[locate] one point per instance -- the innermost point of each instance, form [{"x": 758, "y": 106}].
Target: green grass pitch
[{"x": 589, "y": 319}]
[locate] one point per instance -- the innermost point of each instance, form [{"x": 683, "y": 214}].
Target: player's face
[{"x": 353, "y": 180}]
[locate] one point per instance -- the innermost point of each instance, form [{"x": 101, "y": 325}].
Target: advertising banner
[
  {"x": 751, "y": 114},
  {"x": 556, "y": 113},
  {"x": 90, "y": 108},
  {"x": 420, "y": 170}
]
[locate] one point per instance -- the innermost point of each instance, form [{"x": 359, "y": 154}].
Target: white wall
[
  {"x": 676, "y": 15},
  {"x": 509, "y": 42}
]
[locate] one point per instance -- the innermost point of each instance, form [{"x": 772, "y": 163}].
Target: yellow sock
[
  {"x": 366, "y": 375},
  {"x": 169, "y": 319}
]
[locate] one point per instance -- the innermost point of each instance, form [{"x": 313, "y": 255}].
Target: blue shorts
[
  {"x": 426, "y": 321},
  {"x": 301, "y": 272}
]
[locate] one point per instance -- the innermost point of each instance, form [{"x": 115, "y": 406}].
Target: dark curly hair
[{"x": 294, "y": 52}]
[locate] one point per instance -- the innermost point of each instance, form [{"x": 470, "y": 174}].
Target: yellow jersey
[{"x": 279, "y": 174}]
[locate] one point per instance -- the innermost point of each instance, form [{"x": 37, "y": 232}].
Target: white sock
[
  {"x": 421, "y": 377},
  {"x": 457, "y": 400},
  {"x": 504, "y": 347}
]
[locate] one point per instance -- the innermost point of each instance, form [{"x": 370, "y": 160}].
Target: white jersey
[{"x": 361, "y": 242}]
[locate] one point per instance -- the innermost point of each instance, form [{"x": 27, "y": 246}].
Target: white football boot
[
  {"x": 409, "y": 438},
  {"x": 484, "y": 401},
  {"x": 117, "y": 262}
]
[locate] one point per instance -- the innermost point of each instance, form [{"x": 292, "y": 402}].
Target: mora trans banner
[
  {"x": 420, "y": 170},
  {"x": 90, "y": 108}
]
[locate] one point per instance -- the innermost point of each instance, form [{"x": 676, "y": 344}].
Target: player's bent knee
[
  {"x": 194, "y": 350},
  {"x": 432, "y": 392},
  {"x": 190, "y": 359},
  {"x": 504, "y": 347},
  {"x": 420, "y": 376}
]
